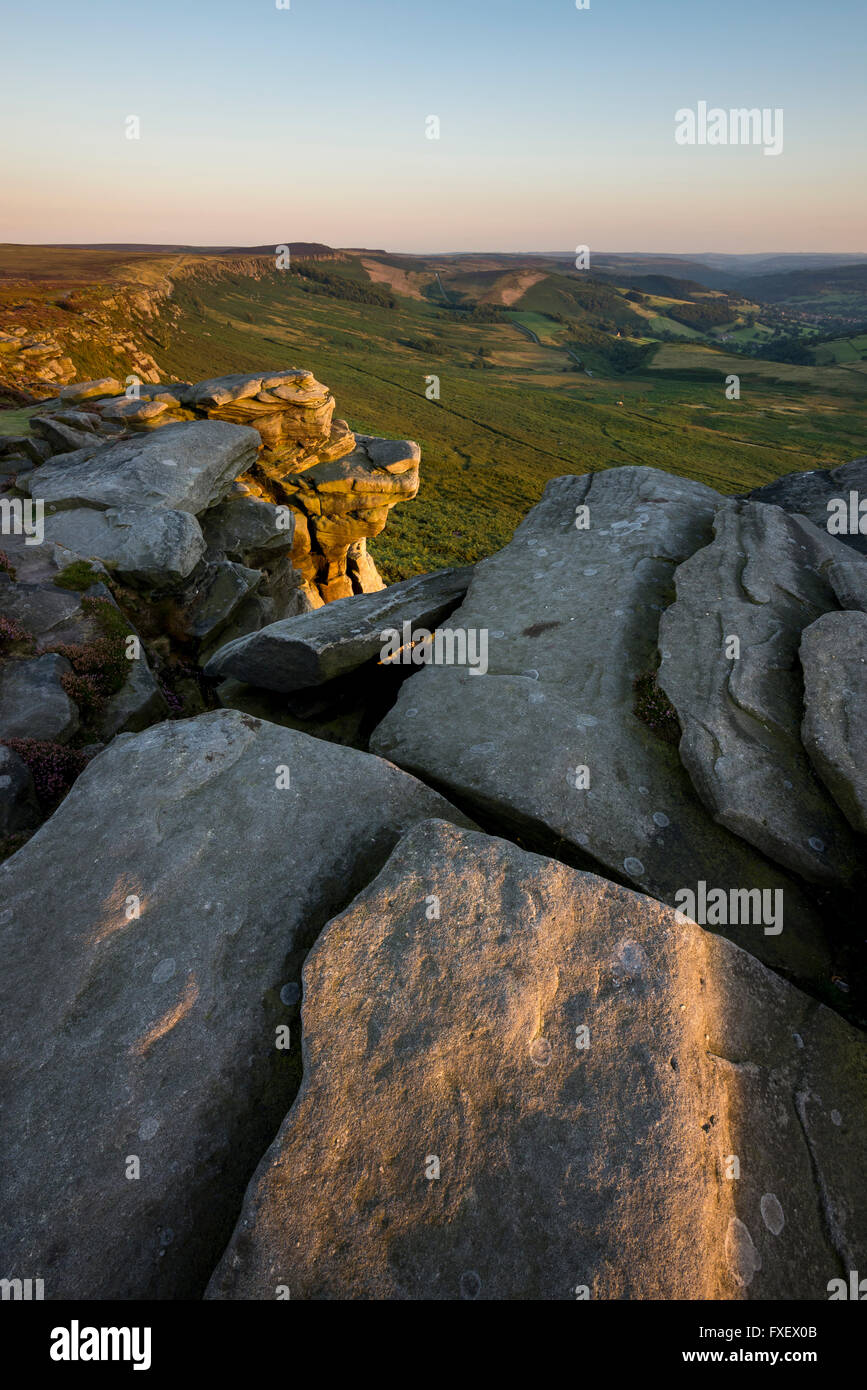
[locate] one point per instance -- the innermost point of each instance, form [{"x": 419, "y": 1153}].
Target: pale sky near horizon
[{"x": 262, "y": 125}]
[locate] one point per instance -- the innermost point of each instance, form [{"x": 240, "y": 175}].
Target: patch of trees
[
  {"x": 317, "y": 281},
  {"x": 425, "y": 345},
  {"x": 626, "y": 357},
  {"x": 709, "y": 313},
  {"x": 668, "y": 286}
]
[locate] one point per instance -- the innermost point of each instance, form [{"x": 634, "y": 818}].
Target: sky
[{"x": 260, "y": 125}]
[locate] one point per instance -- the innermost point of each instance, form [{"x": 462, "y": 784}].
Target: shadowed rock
[
  {"x": 153, "y": 546},
  {"x": 33, "y": 702},
  {"x": 811, "y": 492},
  {"x": 152, "y": 933},
  {"x": 315, "y": 647},
  {"x": 758, "y": 584},
  {"x": 834, "y": 660}
]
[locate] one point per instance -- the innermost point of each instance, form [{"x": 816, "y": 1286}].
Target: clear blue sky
[{"x": 557, "y": 125}]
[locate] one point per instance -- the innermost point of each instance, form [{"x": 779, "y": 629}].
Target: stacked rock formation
[
  {"x": 168, "y": 519},
  {"x": 339, "y": 486}
]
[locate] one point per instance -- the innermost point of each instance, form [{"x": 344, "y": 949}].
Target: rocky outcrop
[
  {"x": 146, "y": 1058},
  {"x": 729, "y": 646},
  {"x": 562, "y": 742},
  {"x": 520, "y": 1080},
  {"x": 155, "y": 547},
  {"x": 338, "y": 487},
  {"x": 525, "y": 1082},
  {"x": 823, "y": 495},
  {"x": 317, "y": 647},
  {"x": 198, "y": 531},
  {"x": 187, "y": 468},
  {"x": 834, "y": 660}
]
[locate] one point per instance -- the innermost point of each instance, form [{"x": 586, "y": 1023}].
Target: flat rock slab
[
  {"x": 811, "y": 492},
  {"x": 571, "y": 617},
  {"x": 834, "y": 730},
  {"x": 182, "y": 886},
  {"x": 187, "y": 466},
  {"x": 537, "y": 1090},
  {"x": 153, "y": 546},
  {"x": 312, "y": 648},
  {"x": 757, "y": 584}
]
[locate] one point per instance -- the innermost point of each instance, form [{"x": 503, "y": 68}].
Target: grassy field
[
  {"x": 498, "y": 433},
  {"x": 511, "y": 414}
]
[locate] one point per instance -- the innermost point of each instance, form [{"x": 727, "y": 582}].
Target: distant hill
[{"x": 813, "y": 283}]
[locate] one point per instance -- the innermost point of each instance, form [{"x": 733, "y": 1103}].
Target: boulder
[
  {"x": 242, "y": 527},
  {"x": 152, "y": 546},
  {"x": 757, "y": 585},
  {"x": 33, "y": 702},
  {"x": 217, "y": 597},
  {"x": 87, "y": 390},
  {"x": 834, "y": 660},
  {"x": 810, "y": 493},
  {"x": 557, "y": 743},
  {"x": 523, "y": 1082},
  {"x": 848, "y": 579},
  {"x": 61, "y": 437},
  {"x": 186, "y": 467},
  {"x": 313, "y": 648},
  {"x": 145, "y": 1061}
]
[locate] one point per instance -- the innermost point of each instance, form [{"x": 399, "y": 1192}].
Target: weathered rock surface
[
  {"x": 315, "y": 647},
  {"x": 539, "y": 1089},
  {"x": 183, "y": 879},
  {"x": 848, "y": 579},
  {"x": 243, "y": 527},
  {"x": 571, "y": 617},
  {"x": 33, "y": 702},
  {"x": 834, "y": 661},
  {"x": 220, "y": 593},
  {"x": 187, "y": 467},
  {"x": 759, "y": 584},
  {"x": 153, "y": 546},
  {"x": 811, "y": 492}
]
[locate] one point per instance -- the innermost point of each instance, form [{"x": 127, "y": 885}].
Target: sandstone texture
[{"x": 539, "y": 1092}]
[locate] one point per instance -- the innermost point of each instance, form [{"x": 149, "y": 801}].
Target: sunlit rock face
[{"x": 526, "y": 1082}]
